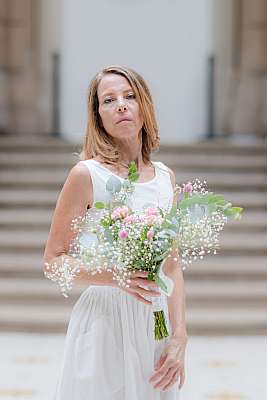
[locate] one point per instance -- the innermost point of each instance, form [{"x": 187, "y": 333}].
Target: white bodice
[{"x": 157, "y": 191}]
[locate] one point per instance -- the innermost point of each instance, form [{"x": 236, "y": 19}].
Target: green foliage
[
  {"x": 160, "y": 283},
  {"x": 132, "y": 172},
  {"x": 99, "y": 205},
  {"x": 113, "y": 185},
  {"x": 108, "y": 235},
  {"x": 214, "y": 202}
]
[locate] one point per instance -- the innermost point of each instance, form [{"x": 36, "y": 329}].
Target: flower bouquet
[{"x": 115, "y": 238}]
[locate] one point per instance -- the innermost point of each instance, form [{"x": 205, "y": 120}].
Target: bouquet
[{"x": 115, "y": 238}]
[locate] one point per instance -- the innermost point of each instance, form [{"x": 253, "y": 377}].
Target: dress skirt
[{"x": 110, "y": 350}]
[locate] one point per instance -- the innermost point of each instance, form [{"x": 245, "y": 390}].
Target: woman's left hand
[{"x": 171, "y": 364}]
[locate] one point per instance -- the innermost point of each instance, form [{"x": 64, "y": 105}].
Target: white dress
[{"x": 110, "y": 350}]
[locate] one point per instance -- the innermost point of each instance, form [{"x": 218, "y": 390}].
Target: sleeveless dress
[{"x": 110, "y": 350}]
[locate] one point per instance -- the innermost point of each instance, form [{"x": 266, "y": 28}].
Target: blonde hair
[{"x": 97, "y": 141}]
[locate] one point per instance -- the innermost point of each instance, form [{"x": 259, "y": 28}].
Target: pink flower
[
  {"x": 119, "y": 212},
  {"x": 115, "y": 215},
  {"x": 150, "y": 234},
  {"x": 124, "y": 211},
  {"x": 188, "y": 188},
  {"x": 151, "y": 219},
  {"x": 123, "y": 234},
  {"x": 141, "y": 218},
  {"x": 131, "y": 219},
  {"x": 151, "y": 211}
]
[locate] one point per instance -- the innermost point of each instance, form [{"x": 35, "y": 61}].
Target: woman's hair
[{"x": 97, "y": 141}]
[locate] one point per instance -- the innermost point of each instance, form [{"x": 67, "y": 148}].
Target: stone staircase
[{"x": 226, "y": 294}]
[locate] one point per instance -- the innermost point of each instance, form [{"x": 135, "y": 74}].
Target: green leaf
[
  {"x": 160, "y": 257},
  {"x": 160, "y": 283},
  {"x": 133, "y": 177},
  {"x": 113, "y": 185},
  {"x": 234, "y": 212},
  {"x": 108, "y": 235},
  {"x": 99, "y": 205},
  {"x": 132, "y": 167}
]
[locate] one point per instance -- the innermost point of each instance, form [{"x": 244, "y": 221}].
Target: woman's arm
[
  {"x": 171, "y": 365},
  {"x": 74, "y": 198},
  {"x": 176, "y": 302}
]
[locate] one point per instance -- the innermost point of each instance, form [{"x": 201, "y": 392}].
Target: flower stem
[{"x": 161, "y": 330}]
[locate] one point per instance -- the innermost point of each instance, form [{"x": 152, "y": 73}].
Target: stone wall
[
  {"x": 247, "y": 101},
  {"x": 18, "y": 66}
]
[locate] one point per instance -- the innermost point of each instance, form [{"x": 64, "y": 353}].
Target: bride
[{"x": 110, "y": 351}]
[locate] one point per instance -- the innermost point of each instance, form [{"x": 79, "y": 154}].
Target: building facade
[{"x": 204, "y": 61}]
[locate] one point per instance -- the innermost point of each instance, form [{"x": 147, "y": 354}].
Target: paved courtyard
[{"x": 228, "y": 368}]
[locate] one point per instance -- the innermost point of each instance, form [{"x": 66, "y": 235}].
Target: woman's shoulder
[
  {"x": 79, "y": 172},
  {"x": 163, "y": 167}
]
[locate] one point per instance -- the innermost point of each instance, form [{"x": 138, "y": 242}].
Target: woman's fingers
[
  {"x": 140, "y": 286},
  {"x": 139, "y": 274},
  {"x": 140, "y": 298},
  {"x": 143, "y": 282},
  {"x": 145, "y": 292},
  {"x": 173, "y": 379},
  {"x": 165, "y": 380},
  {"x": 182, "y": 378}
]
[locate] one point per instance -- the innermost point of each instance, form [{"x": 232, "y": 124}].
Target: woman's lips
[{"x": 124, "y": 120}]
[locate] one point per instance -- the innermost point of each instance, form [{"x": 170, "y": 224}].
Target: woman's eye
[
  {"x": 131, "y": 96},
  {"x": 107, "y": 101}
]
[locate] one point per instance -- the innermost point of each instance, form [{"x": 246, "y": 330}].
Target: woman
[{"x": 110, "y": 350}]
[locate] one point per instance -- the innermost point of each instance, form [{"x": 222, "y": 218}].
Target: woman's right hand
[{"x": 138, "y": 279}]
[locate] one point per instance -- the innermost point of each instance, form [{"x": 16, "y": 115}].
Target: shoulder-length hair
[{"x": 97, "y": 141}]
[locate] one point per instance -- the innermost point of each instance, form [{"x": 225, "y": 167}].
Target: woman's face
[{"x": 118, "y": 108}]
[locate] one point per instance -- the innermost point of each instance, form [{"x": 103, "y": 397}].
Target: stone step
[
  {"x": 21, "y": 265},
  {"x": 231, "y": 243},
  {"x": 226, "y": 293},
  {"x": 223, "y": 181},
  {"x": 233, "y": 268},
  {"x": 47, "y": 319},
  {"x": 54, "y": 318},
  {"x": 197, "y": 162},
  {"x": 40, "y": 178},
  {"x": 27, "y": 161},
  {"x": 41, "y": 291},
  {"x": 14, "y": 198},
  {"x": 250, "y": 221},
  {"x": 199, "y": 294},
  {"x": 227, "y": 321},
  {"x": 209, "y": 162},
  {"x": 33, "y": 178},
  {"x": 22, "y": 144},
  {"x": 28, "y": 198},
  {"x": 212, "y": 267},
  {"x": 28, "y": 219},
  {"x": 42, "y": 144}
]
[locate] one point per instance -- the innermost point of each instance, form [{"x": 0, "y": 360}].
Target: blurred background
[{"x": 206, "y": 63}]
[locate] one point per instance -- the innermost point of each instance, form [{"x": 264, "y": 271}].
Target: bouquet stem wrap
[
  {"x": 161, "y": 330},
  {"x": 158, "y": 304}
]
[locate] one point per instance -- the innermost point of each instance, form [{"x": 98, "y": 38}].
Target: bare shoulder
[
  {"x": 79, "y": 174},
  {"x": 173, "y": 177},
  {"x": 78, "y": 181},
  {"x": 169, "y": 170}
]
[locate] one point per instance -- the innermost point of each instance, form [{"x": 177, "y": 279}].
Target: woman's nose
[{"x": 121, "y": 107}]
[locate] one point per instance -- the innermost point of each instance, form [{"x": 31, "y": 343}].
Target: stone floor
[{"x": 225, "y": 368}]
